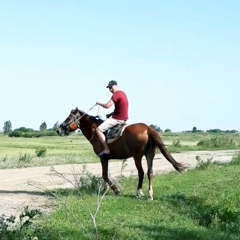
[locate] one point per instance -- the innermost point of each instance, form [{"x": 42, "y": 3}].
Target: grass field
[
  {"x": 201, "y": 204},
  {"x": 21, "y": 152}
]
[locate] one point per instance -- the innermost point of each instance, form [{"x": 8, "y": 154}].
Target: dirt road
[{"x": 25, "y": 187}]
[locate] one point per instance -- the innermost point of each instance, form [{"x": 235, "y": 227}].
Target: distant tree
[
  {"x": 43, "y": 126},
  {"x": 167, "y": 130},
  {"x": 194, "y": 129},
  {"x": 216, "y": 130},
  {"x": 155, "y": 127},
  {"x": 56, "y": 125},
  {"x": 7, "y": 128}
]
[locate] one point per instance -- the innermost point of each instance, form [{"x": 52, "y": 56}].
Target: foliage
[
  {"x": 76, "y": 148},
  {"x": 176, "y": 143},
  {"x": 217, "y": 143},
  {"x": 19, "y": 227},
  {"x": 7, "y": 128},
  {"x": 167, "y": 130},
  {"x": 88, "y": 182},
  {"x": 25, "y": 158},
  {"x": 43, "y": 126},
  {"x": 30, "y": 133},
  {"x": 235, "y": 160},
  {"x": 195, "y": 130},
  {"x": 217, "y": 130},
  {"x": 55, "y": 126},
  {"x": 194, "y": 205},
  {"x": 203, "y": 165},
  {"x": 155, "y": 127},
  {"x": 41, "y": 151}
]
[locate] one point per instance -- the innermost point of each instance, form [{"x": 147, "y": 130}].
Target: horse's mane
[{"x": 96, "y": 119}]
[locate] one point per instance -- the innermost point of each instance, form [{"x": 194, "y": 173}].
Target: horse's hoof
[
  {"x": 117, "y": 193},
  {"x": 139, "y": 194}
]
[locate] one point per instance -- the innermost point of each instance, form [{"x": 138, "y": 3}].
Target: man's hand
[{"x": 108, "y": 115}]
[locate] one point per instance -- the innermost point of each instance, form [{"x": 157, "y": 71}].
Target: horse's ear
[{"x": 76, "y": 108}]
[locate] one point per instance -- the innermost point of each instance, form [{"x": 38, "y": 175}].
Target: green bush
[
  {"x": 30, "y": 133},
  {"x": 21, "y": 227},
  {"x": 41, "y": 151},
  {"x": 203, "y": 165},
  {"x": 235, "y": 160},
  {"x": 217, "y": 143},
  {"x": 25, "y": 158}
]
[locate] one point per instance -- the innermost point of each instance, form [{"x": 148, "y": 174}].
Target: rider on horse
[{"x": 118, "y": 116}]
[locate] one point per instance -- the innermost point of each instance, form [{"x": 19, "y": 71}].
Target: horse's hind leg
[
  {"x": 138, "y": 164},
  {"x": 149, "y": 157}
]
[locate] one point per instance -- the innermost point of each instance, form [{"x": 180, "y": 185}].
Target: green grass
[
  {"x": 21, "y": 152},
  {"x": 200, "y": 204},
  {"x": 59, "y": 150}
]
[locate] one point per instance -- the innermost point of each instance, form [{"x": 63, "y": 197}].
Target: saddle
[{"x": 115, "y": 132}]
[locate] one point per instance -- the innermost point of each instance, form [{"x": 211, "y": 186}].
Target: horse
[{"x": 136, "y": 140}]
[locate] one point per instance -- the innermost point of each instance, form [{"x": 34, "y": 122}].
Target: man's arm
[{"x": 106, "y": 105}]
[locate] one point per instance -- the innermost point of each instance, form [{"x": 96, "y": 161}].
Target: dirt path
[{"x": 25, "y": 187}]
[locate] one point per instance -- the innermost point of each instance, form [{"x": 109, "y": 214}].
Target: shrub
[
  {"x": 235, "y": 160},
  {"x": 86, "y": 181},
  {"x": 217, "y": 142},
  {"x": 25, "y": 158},
  {"x": 41, "y": 151},
  {"x": 203, "y": 165},
  {"x": 19, "y": 228},
  {"x": 176, "y": 143}
]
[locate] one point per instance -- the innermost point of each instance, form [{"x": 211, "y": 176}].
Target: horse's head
[{"x": 71, "y": 123}]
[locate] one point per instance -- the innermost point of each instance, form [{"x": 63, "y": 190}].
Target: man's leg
[{"x": 102, "y": 139}]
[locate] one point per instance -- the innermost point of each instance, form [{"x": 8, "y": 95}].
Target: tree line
[
  {"x": 29, "y": 132},
  {"x": 44, "y": 131},
  {"x": 194, "y": 130}
]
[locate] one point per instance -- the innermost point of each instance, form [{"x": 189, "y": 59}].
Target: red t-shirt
[{"x": 121, "y": 105}]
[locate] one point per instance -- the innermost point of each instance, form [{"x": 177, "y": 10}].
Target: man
[{"x": 118, "y": 116}]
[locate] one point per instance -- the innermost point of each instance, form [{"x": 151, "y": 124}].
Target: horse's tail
[{"x": 157, "y": 142}]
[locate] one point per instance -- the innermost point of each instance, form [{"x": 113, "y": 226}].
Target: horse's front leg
[{"x": 107, "y": 182}]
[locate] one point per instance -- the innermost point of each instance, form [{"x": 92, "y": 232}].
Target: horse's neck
[{"x": 87, "y": 134}]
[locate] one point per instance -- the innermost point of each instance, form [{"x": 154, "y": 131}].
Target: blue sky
[{"x": 178, "y": 61}]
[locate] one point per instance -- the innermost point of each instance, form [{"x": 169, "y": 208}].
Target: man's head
[
  {"x": 112, "y": 86},
  {"x": 111, "y": 83}
]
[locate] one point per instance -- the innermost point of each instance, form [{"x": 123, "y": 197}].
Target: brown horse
[{"x": 137, "y": 140}]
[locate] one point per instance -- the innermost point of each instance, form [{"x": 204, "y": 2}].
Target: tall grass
[{"x": 219, "y": 143}]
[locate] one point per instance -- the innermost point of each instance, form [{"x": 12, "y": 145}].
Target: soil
[{"x": 27, "y": 187}]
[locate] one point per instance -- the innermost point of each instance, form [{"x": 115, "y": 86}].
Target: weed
[
  {"x": 217, "y": 143},
  {"x": 41, "y": 151},
  {"x": 235, "y": 160},
  {"x": 86, "y": 181},
  {"x": 18, "y": 227},
  {"x": 203, "y": 165},
  {"x": 25, "y": 158},
  {"x": 176, "y": 143}
]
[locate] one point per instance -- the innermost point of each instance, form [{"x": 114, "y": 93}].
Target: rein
[{"x": 77, "y": 120}]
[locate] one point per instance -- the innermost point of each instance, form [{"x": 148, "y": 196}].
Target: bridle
[{"x": 76, "y": 119}]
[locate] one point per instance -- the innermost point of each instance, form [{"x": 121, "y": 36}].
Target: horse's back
[
  {"x": 137, "y": 128},
  {"x": 136, "y": 135}
]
